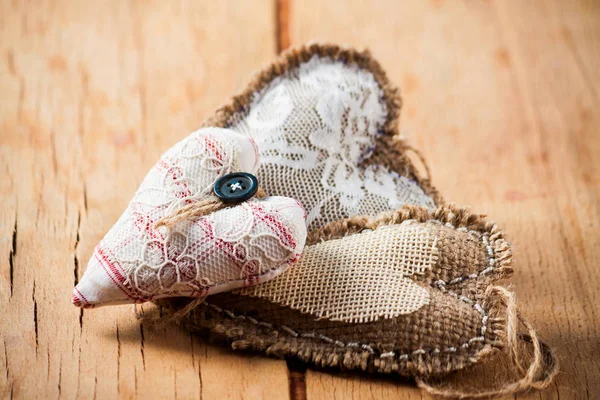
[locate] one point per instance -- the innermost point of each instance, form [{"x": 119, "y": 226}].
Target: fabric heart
[
  {"x": 317, "y": 124},
  {"x": 238, "y": 246},
  {"x": 392, "y": 280}
]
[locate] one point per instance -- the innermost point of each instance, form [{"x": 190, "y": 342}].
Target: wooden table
[{"x": 501, "y": 96}]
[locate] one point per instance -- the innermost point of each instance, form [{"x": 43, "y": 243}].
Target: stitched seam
[{"x": 440, "y": 284}]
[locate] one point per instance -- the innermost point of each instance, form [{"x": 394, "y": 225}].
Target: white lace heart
[
  {"x": 231, "y": 248},
  {"x": 315, "y": 126}
]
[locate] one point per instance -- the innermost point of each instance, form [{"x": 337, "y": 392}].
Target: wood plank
[
  {"x": 501, "y": 96},
  {"x": 93, "y": 93}
]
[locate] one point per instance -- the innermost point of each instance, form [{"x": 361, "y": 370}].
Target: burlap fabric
[{"x": 407, "y": 286}]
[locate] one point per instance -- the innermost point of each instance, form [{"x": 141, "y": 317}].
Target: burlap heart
[
  {"x": 392, "y": 280},
  {"x": 325, "y": 123}
]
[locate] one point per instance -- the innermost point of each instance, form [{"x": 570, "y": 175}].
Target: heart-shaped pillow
[
  {"x": 391, "y": 279},
  {"x": 233, "y": 247},
  {"x": 325, "y": 125}
]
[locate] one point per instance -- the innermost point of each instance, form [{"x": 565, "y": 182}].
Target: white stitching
[
  {"x": 368, "y": 348},
  {"x": 441, "y": 285},
  {"x": 450, "y": 350},
  {"x": 477, "y": 339},
  {"x": 289, "y": 330},
  {"x": 480, "y": 309},
  {"x": 229, "y": 313},
  {"x": 326, "y": 339}
]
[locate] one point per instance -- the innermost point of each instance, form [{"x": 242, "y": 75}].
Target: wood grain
[
  {"x": 92, "y": 94},
  {"x": 501, "y": 96}
]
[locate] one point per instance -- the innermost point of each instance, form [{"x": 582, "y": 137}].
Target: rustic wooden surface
[{"x": 501, "y": 96}]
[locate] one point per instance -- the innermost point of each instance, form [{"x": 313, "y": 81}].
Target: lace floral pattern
[
  {"x": 314, "y": 128},
  {"x": 237, "y": 244},
  {"x": 233, "y": 247}
]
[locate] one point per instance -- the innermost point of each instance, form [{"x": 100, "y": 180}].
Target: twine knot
[{"x": 199, "y": 209}]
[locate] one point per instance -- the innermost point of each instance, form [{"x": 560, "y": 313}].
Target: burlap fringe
[
  {"x": 540, "y": 372},
  {"x": 543, "y": 366},
  {"x": 199, "y": 209},
  {"x": 449, "y": 214}
]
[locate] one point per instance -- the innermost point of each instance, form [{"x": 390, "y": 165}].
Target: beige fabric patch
[{"x": 367, "y": 275}]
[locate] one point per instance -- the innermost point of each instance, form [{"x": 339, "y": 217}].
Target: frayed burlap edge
[
  {"x": 392, "y": 151},
  {"x": 449, "y": 214},
  {"x": 541, "y": 369},
  {"x": 459, "y": 218},
  {"x": 246, "y": 333}
]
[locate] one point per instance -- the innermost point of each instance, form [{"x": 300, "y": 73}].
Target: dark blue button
[{"x": 236, "y": 187}]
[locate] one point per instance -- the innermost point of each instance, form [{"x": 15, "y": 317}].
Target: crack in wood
[
  {"x": 192, "y": 348},
  {"x": 96, "y": 385},
  {"x": 119, "y": 352},
  {"x": 297, "y": 380},
  {"x": 142, "y": 345},
  {"x": 282, "y": 27},
  {"x": 85, "y": 199},
  {"x": 175, "y": 384},
  {"x": 75, "y": 258},
  {"x": 12, "y": 255},
  {"x": 200, "y": 378},
  {"x": 35, "y": 318},
  {"x": 48, "y": 364},
  {"x": 59, "y": 377}
]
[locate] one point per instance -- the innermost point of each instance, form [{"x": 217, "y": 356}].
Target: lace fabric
[
  {"x": 316, "y": 128},
  {"x": 234, "y": 247}
]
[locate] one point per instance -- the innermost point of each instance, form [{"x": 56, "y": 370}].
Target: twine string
[
  {"x": 542, "y": 368},
  {"x": 199, "y": 209},
  {"x": 401, "y": 147}
]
